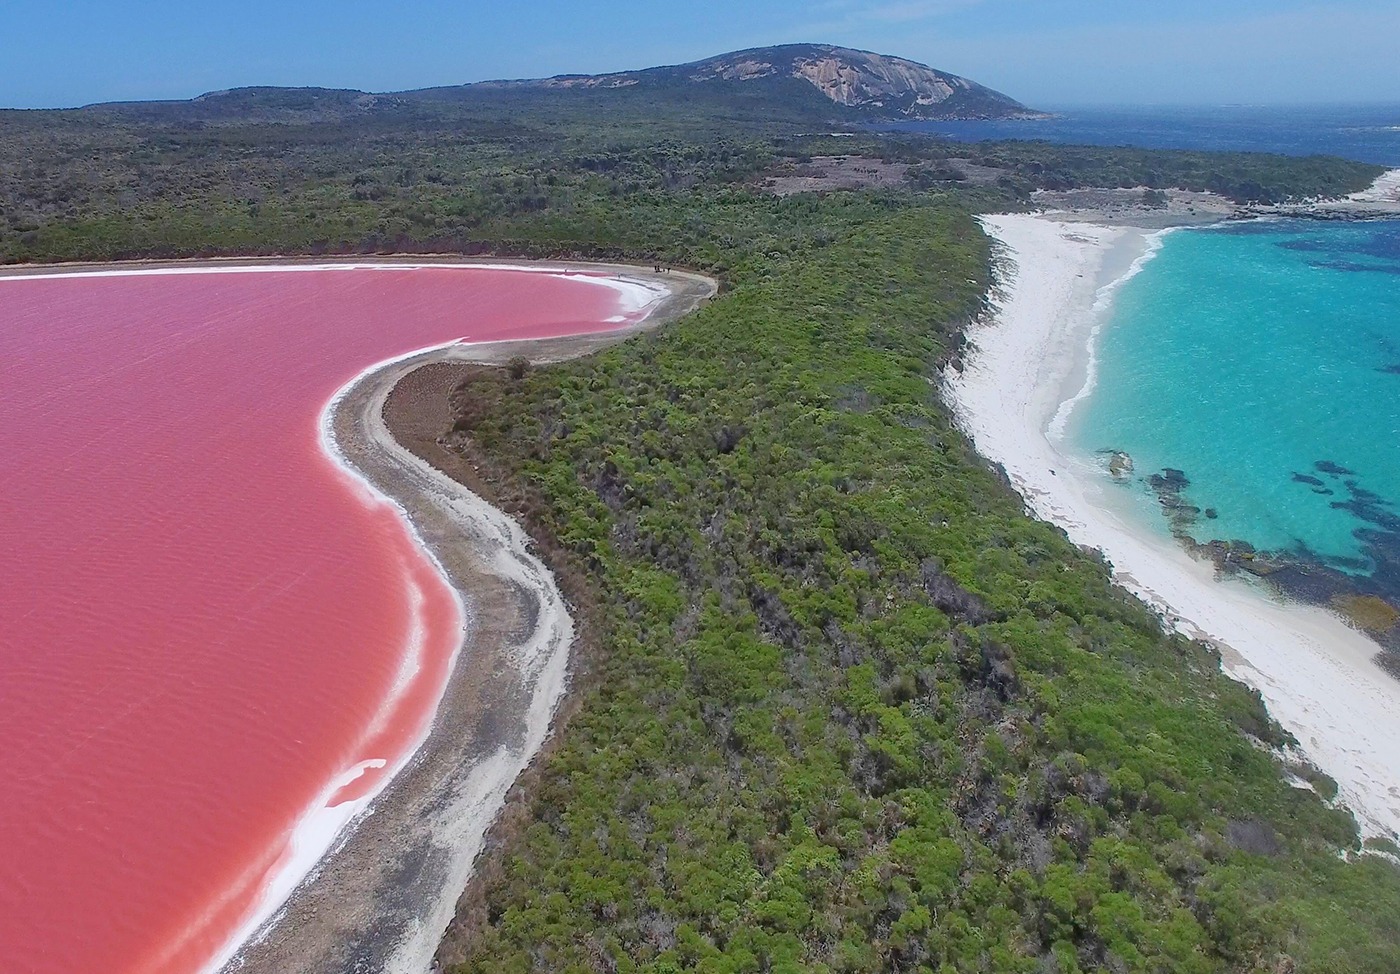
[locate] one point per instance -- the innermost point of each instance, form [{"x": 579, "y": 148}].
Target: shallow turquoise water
[{"x": 1247, "y": 356}]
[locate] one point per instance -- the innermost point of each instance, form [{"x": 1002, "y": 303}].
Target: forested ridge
[
  {"x": 844, "y": 706},
  {"x": 266, "y": 171}
]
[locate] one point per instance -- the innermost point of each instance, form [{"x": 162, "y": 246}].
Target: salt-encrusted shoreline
[
  {"x": 370, "y": 884},
  {"x": 1316, "y": 675},
  {"x": 380, "y": 898}
]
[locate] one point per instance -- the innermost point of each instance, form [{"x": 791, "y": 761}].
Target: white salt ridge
[
  {"x": 322, "y": 826},
  {"x": 1316, "y": 675},
  {"x": 634, "y": 294}
]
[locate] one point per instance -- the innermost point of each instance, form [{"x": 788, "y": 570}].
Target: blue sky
[{"x": 1044, "y": 52}]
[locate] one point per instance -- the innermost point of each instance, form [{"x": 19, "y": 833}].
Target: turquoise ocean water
[{"x": 1263, "y": 361}]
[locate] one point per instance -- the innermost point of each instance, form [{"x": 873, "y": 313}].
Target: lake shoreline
[
  {"x": 383, "y": 894},
  {"x": 1317, "y": 675}
]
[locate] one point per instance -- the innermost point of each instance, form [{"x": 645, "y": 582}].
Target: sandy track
[{"x": 381, "y": 899}]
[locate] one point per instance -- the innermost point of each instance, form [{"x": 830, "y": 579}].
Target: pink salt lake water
[{"x": 204, "y": 621}]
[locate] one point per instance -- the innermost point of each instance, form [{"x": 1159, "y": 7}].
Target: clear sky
[{"x": 1043, "y": 52}]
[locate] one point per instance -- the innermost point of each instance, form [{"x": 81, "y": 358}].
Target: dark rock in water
[
  {"x": 1388, "y": 660},
  {"x": 1212, "y": 513},
  {"x": 1369, "y": 612},
  {"x": 1336, "y": 470},
  {"x": 1120, "y": 465},
  {"x": 1169, "y": 479},
  {"x": 1364, "y": 589},
  {"x": 1366, "y": 497},
  {"x": 1168, "y": 486}
]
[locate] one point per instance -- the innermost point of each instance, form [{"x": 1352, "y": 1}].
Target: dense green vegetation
[
  {"x": 261, "y": 171},
  {"x": 1246, "y": 177},
  {"x": 848, "y": 708},
  {"x": 853, "y": 710}
]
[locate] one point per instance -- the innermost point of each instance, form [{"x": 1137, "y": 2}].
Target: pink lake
[{"x": 204, "y": 619}]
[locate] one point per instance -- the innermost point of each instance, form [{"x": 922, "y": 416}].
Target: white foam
[{"x": 1098, "y": 314}]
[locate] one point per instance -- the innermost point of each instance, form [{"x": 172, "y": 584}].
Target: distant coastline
[
  {"x": 1366, "y": 133},
  {"x": 1318, "y": 677}
]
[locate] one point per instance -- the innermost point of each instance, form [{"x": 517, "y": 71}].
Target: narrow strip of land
[{"x": 382, "y": 898}]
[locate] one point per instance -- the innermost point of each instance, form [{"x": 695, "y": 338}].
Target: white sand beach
[
  {"x": 1315, "y": 674},
  {"x": 1386, "y": 189}
]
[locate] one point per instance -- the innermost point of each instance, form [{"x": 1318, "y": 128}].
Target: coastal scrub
[{"x": 852, "y": 710}]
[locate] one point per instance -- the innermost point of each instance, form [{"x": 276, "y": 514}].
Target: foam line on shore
[
  {"x": 1317, "y": 676},
  {"x": 1098, "y": 314}
]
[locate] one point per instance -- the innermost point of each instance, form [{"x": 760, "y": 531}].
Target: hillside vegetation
[
  {"x": 106, "y": 186},
  {"x": 852, "y": 710}
]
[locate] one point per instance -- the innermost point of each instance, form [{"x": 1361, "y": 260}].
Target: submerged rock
[
  {"x": 1369, "y": 612},
  {"x": 1170, "y": 479},
  {"x": 1120, "y": 465},
  {"x": 1168, "y": 486},
  {"x": 1335, "y": 469}
]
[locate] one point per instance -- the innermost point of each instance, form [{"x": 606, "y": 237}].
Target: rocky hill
[
  {"x": 876, "y": 86},
  {"x": 802, "y": 84}
]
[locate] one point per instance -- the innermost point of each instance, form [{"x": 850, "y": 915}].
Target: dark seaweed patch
[
  {"x": 1383, "y": 246},
  {"x": 1351, "y": 265},
  {"x": 1298, "y": 571}
]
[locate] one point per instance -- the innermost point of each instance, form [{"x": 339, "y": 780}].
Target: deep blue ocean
[{"x": 1369, "y": 133}]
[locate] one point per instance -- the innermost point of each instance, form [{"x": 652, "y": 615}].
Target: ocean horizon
[{"x": 1366, "y": 133}]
